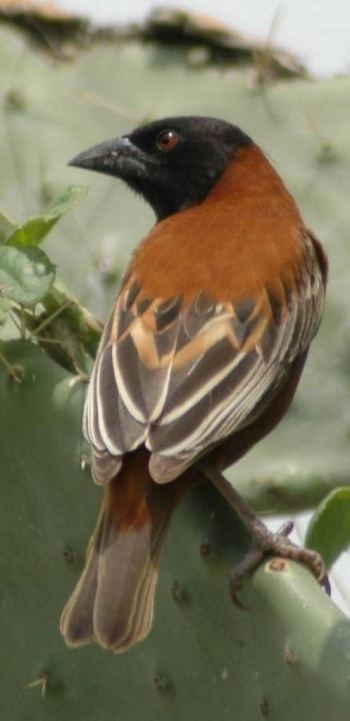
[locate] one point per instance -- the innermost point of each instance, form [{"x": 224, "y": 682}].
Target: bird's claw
[
  {"x": 267, "y": 543},
  {"x": 241, "y": 571}
]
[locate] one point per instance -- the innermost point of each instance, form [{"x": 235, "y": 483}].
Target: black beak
[{"x": 119, "y": 157}]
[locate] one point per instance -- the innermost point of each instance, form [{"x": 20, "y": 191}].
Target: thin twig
[
  {"x": 51, "y": 317},
  {"x": 13, "y": 371}
]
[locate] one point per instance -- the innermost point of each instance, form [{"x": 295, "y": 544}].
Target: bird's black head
[{"x": 173, "y": 163}]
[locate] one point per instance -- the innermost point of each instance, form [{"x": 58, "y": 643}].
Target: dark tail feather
[{"x": 113, "y": 601}]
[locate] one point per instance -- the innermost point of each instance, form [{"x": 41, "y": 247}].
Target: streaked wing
[{"x": 180, "y": 378}]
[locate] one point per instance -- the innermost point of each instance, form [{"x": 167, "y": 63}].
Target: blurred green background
[{"x": 204, "y": 659}]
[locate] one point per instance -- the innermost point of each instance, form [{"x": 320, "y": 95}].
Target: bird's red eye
[{"x": 166, "y": 140}]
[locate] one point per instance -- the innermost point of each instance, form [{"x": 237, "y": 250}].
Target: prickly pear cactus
[{"x": 288, "y": 655}]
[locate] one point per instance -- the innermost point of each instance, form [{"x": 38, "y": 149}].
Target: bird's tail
[{"x": 113, "y": 601}]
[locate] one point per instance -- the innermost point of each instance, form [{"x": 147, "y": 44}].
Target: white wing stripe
[
  {"x": 91, "y": 415},
  {"x": 133, "y": 409},
  {"x": 203, "y": 391},
  {"x": 108, "y": 441}
]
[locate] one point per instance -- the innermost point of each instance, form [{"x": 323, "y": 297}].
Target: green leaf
[
  {"x": 329, "y": 528},
  {"x": 35, "y": 229},
  {"x": 64, "y": 202},
  {"x": 32, "y": 232},
  {"x": 7, "y": 227},
  {"x": 26, "y": 274}
]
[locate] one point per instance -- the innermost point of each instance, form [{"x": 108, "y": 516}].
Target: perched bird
[{"x": 200, "y": 357}]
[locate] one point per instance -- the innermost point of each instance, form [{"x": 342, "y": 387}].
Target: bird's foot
[{"x": 266, "y": 543}]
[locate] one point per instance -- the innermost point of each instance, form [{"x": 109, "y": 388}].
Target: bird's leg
[{"x": 264, "y": 541}]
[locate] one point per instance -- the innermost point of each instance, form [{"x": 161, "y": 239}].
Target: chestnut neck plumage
[{"x": 247, "y": 232}]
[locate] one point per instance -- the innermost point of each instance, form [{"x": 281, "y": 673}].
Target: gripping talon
[
  {"x": 326, "y": 585},
  {"x": 264, "y": 542},
  {"x": 286, "y": 529},
  {"x": 241, "y": 571},
  {"x": 235, "y": 587},
  {"x": 267, "y": 543}
]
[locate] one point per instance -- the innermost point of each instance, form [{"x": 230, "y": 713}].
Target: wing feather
[{"x": 180, "y": 378}]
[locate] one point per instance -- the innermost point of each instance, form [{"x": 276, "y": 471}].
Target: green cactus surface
[{"x": 287, "y": 656}]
